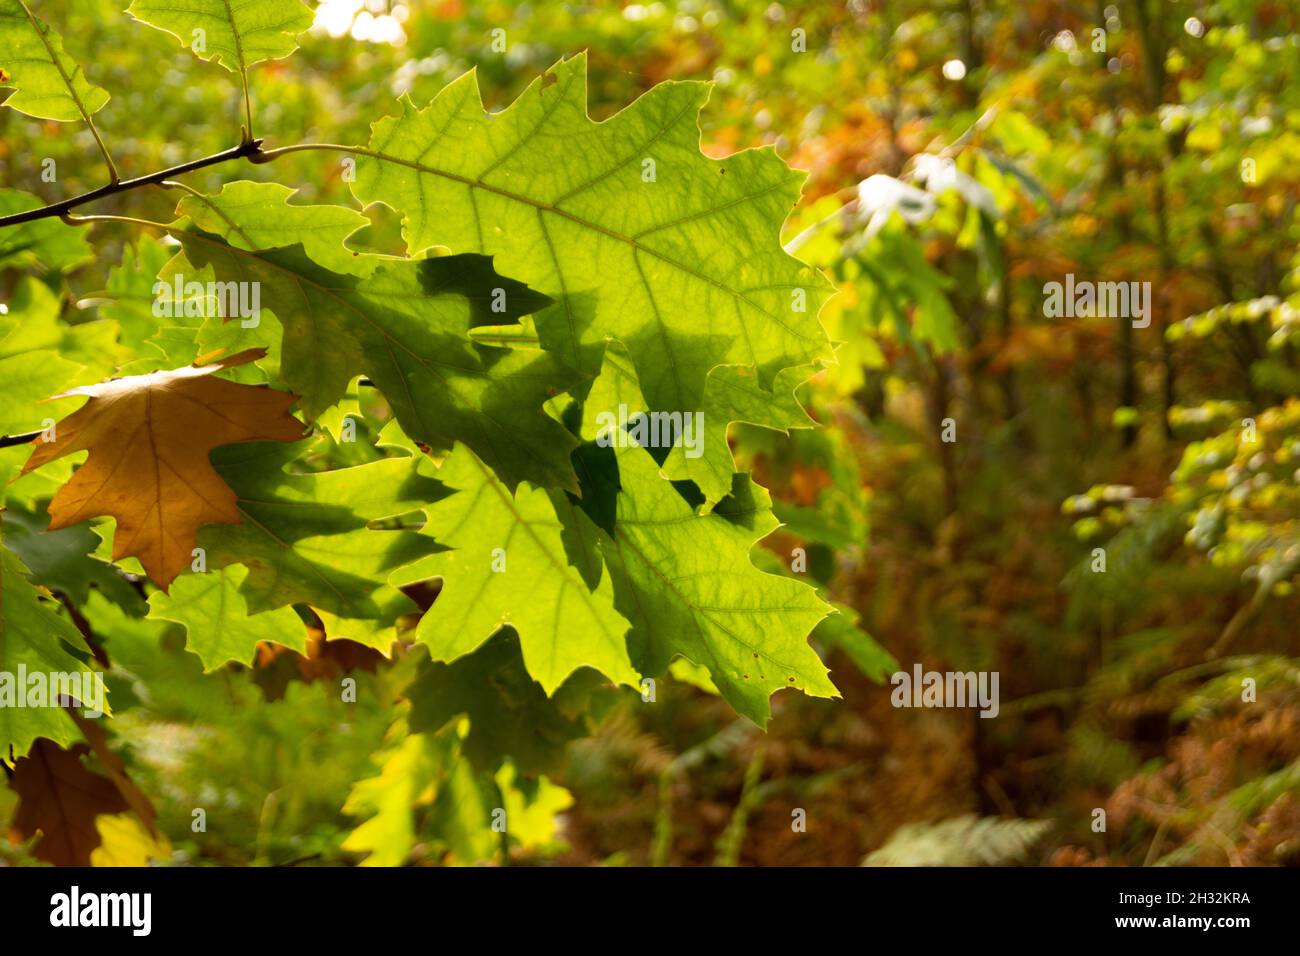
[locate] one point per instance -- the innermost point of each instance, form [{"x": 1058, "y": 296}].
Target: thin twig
[
  {"x": 242, "y": 151},
  {"x": 9, "y": 441}
]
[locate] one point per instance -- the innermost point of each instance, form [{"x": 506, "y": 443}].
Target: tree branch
[
  {"x": 243, "y": 151},
  {"x": 9, "y": 441}
]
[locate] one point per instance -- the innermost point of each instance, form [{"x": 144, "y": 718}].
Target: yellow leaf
[{"x": 124, "y": 841}]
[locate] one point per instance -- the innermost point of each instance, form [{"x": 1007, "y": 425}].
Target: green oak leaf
[
  {"x": 731, "y": 394},
  {"x": 508, "y": 566},
  {"x": 256, "y": 216},
  {"x": 693, "y": 674},
  {"x": 29, "y": 378},
  {"x": 532, "y": 806},
  {"x": 30, "y": 320},
  {"x": 130, "y": 293},
  {"x": 305, "y": 537},
  {"x": 29, "y": 490},
  {"x": 411, "y": 772},
  {"x": 422, "y": 772},
  {"x": 843, "y": 629},
  {"x": 318, "y": 352},
  {"x": 150, "y": 668},
  {"x": 32, "y": 370},
  {"x": 625, "y": 224},
  {"x": 34, "y": 322},
  {"x": 510, "y": 714},
  {"x": 36, "y": 638},
  {"x": 462, "y": 816},
  {"x": 195, "y": 325},
  {"x": 406, "y": 325},
  {"x": 443, "y": 388},
  {"x": 236, "y": 33},
  {"x": 687, "y": 584},
  {"x": 41, "y": 243},
  {"x": 47, "y": 83},
  {"x": 61, "y": 560},
  {"x": 216, "y": 619},
  {"x": 198, "y": 324}
]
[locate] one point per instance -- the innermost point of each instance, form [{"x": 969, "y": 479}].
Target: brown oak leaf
[
  {"x": 149, "y": 437},
  {"x": 60, "y": 797}
]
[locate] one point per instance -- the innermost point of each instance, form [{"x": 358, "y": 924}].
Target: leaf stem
[
  {"x": 88, "y": 220},
  {"x": 242, "y": 151},
  {"x": 246, "y": 133},
  {"x": 72, "y": 91},
  {"x": 267, "y": 155},
  {"x": 176, "y": 184}
]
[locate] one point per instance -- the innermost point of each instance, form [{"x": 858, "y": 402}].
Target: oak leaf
[
  {"x": 149, "y": 437},
  {"x": 60, "y": 797},
  {"x": 626, "y": 227},
  {"x": 48, "y": 83}
]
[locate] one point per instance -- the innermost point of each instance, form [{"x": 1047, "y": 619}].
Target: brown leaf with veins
[
  {"x": 60, "y": 797},
  {"x": 149, "y": 437}
]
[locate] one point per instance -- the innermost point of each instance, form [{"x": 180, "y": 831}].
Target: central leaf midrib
[
  {"x": 520, "y": 521},
  {"x": 54, "y": 59},
  {"x": 588, "y": 224},
  {"x": 699, "y": 612}
]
